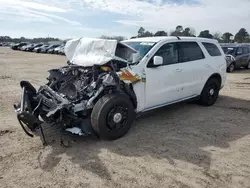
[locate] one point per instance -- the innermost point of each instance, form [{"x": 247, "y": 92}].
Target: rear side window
[
  {"x": 245, "y": 50},
  {"x": 189, "y": 51},
  {"x": 212, "y": 49},
  {"x": 239, "y": 51}
]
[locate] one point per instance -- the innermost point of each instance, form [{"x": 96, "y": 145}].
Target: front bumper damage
[
  {"x": 28, "y": 121},
  {"x": 29, "y": 115},
  {"x": 95, "y": 68},
  {"x": 68, "y": 98}
]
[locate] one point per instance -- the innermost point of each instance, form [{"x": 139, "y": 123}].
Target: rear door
[
  {"x": 194, "y": 68},
  {"x": 239, "y": 57},
  {"x": 246, "y": 56}
]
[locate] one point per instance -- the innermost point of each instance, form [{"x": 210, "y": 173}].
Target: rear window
[
  {"x": 190, "y": 51},
  {"x": 212, "y": 49}
]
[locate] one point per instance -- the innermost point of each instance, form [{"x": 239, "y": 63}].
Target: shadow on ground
[{"x": 179, "y": 132}]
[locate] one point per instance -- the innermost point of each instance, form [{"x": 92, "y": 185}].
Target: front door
[{"x": 163, "y": 83}]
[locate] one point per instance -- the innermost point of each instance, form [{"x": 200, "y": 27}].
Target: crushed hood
[{"x": 93, "y": 51}]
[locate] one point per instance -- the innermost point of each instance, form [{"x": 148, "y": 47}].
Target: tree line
[
  {"x": 242, "y": 36},
  {"x": 23, "y": 39}
]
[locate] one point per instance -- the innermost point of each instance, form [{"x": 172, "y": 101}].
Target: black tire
[
  {"x": 248, "y": 65},
  {"x": 210, "y": 92},
  {"x": 231, "y": 67},
  {"x": 104, "y": 112}
]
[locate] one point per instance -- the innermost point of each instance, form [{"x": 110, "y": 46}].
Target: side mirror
[{"x": 158, "y": 60}]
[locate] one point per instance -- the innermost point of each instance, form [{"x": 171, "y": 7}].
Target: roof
[{"x": 158, "y": 39}]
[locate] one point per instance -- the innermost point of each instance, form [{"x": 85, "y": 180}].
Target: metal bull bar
[{"x": 28, "y": 121}]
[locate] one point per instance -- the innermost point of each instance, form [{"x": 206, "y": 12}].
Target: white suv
[
  {"x": 107, "y": 83},
  {"x": 177, "y": 69}
]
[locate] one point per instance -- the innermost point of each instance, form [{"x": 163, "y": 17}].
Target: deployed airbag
[{"x": 92, "y": 51}]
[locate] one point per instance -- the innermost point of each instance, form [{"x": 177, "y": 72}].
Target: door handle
[
  {"x": 178, "y": 70},
  {"x": 207, "y": 65}
]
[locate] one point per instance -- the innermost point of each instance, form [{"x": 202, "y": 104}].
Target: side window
[
  {"x": 239, "y": 51},
  {"x": 190, "y": 51},
  {"x": 169, "y": 53},
  {"x": 246, "y": 50},
  {"x": 212, "y": 49}
]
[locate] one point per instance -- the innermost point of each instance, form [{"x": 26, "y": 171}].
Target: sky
[{"x": 93, "y": 18}]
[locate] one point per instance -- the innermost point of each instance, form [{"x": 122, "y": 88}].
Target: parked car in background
[
  {"x": 38, "y": 49},
  {"x": 45, "y": 50},
  {"x": 31, "y": 48},
  {"x": 61, "y": 51},
  {"x": 56, "y": 50},
  {"x": 42, "y": 49},
  {"x": 4, "y": 44},
  {"x": 51, "y": 50},
  {"x": 237, "y": 56},
  {"x": 25, "y": 47},
  {"x": 18, "y": 45}
]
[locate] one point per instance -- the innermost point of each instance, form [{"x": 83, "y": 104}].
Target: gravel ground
[{"x": 183, "y": 145}]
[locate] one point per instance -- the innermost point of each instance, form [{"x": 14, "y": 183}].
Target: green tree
[
  {"x": 178, "y": 31},
  {"x": 147, "y": 34},
  {"x": 206, "y": 34},
  {"x": 179, "y": 28},
  {"x": 161, "y": 33},
  {"x": 242, "y": 36},
  {"x": 226, "y": 37},
  {"x": 141, "y": 31},
  {"x": 188, "y": 32}
]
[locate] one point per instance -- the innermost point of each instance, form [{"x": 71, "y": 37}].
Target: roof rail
[{"x": 178, "y": 38}]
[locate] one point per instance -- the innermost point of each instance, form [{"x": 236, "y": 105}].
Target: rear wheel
[
  {"x": 112, "y": 116},
  {"x": 248, "y": 65},
  {"x": 210, "y": 92}
]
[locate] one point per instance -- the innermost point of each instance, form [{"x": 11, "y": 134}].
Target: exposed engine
[{"x": 72, "y": 91}]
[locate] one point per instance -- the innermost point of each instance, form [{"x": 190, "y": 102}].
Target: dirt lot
[{"x": 183, "y": 145}]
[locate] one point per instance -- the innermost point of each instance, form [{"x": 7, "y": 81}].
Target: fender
[{"x": 214, "y": 75}]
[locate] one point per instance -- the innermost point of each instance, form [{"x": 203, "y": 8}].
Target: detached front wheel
[{"x": 112, "y": 116}]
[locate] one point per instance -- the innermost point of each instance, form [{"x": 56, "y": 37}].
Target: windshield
[
  {"x": 141, "y": 47},
  {"x": 229, "y": 50}
]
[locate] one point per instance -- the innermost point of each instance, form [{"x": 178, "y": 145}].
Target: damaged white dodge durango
[{"x": 106, "y": 83}]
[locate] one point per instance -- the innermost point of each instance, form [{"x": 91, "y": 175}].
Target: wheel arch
[{"x": 216, "y": 76}]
